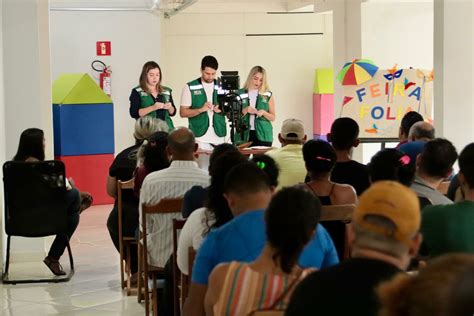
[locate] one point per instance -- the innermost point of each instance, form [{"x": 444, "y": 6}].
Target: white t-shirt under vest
[{"x": 186, "y": 100}]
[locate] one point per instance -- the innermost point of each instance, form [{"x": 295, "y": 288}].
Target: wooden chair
[
  {"x": 341, "y": 213},
  {"x": 443, "y": 187},
  {"x": 186, "y": 279},
  {"x": 178, "y": 224},
  {"x": 164, "y": 206},
  {"x": 124, "y": 242}
]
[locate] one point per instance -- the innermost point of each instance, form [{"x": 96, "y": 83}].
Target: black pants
[
  {"x": 129, "y": 226},
  {"x": 255, "y": 142},
  {"x": 73, "y": 199}
]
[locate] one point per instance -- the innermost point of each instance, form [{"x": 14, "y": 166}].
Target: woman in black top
[
  {"x": 31, "y": 149},
  {"x": 320, "y": 158},
  {"x": 150, "y": 98},
  {"x": 122, "y": 169}
]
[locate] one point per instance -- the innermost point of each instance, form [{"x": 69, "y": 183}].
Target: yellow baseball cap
[{"x": 393, "y": 201}]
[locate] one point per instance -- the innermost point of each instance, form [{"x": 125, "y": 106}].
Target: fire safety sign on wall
[{"x": 104, "y": 48}]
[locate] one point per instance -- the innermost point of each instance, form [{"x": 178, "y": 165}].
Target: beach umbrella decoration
[{"x": 357, "y": 72}]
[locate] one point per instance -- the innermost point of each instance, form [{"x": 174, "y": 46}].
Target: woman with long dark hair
[
  {"x": 31, "y": 149},
  {"x": 239, "y": 288},
  {"x": 216, "y": 211},
  {"x": 150, "y": 97}
]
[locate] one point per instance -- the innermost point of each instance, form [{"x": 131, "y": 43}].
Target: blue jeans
[{"x": 73, "y": 200}]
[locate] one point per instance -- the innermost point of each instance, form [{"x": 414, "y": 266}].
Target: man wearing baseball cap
[
  {"x": 289, "y": 157},
  {"x": 384, "y": 236}
]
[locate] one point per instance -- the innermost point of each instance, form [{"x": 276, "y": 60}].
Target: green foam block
[
  {"x": 78, "y": 89},
  {"x": 324, "y": 81}
]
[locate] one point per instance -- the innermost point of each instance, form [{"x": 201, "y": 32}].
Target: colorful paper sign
[{"x": 379, "y": 104}]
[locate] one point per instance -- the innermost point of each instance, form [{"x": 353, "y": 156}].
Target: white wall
[
  {"x": 398, "y": 33},
  {"x": 2, "y": 138},
  {"x": 26, "y": 97},
  {"x": 27, "y": 72},
  {"x": 290, "y": 61},
  {"x": 454, "y": 60},
  {"x": 135, "y": 38}
]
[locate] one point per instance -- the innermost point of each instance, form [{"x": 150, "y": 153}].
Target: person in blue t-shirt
[{"x": 248, "y": 192}]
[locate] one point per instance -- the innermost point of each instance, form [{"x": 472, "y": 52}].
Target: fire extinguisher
[{"x": 104, "y": 76}]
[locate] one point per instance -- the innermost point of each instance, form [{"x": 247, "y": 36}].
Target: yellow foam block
[{"x": 324, "y": 81}]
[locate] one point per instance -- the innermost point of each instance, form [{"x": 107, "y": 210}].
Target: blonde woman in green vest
[
  {"x": 258, "y": 108},
  {"x": 199, "y": 104},
  {"x": 150, "y": 98}
]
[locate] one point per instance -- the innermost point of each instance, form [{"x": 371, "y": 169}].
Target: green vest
[
  {"x": 263, "y": 127},
  {"x": 200, "y": 123},
  {"x": 147, "y": 100}
]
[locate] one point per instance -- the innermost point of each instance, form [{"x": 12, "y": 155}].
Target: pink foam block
[
  {"x": 89, "y": 173},
  {"x": 323, "y": 113}
]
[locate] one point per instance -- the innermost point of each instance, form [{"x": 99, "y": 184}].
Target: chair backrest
[
  {"x": 35, "y": 198},
  {"x": 340, "y": 235},
  {"x": 337, "y": 213},
  {"x": 186, "y": 279},
  {"x": 122, "y": 185},
  {"x": 178, "y": 224},
  {"x": 164, "y": 206}
]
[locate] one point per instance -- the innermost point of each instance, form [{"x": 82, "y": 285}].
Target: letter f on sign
[{"x": 360, "y": 94}]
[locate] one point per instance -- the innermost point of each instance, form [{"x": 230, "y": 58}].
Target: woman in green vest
[
  {"x": 258, "y": 108},
  {"x": 150, "y": 98}
]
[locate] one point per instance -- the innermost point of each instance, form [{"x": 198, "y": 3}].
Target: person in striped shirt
[{"x": 239, "y": 288}]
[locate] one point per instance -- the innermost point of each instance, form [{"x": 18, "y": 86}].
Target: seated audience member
[
  {"x": 248, "y": 192},
  {"x": 154, "y": 156},
  {"x": 215, "y": 213},
  {"x": 320, "y": 159},
  {"x": 390, "y": 164},
  {"x": 407, "y": 122},
  {"x": 122, "y": 168},
  {"x": 195, "y": 197},
  {"x": 344, "y": 137},
  {"x": 421, "y": 131},
  {"x": 434, "y": 165},
  {"x": 31, "y": 149},
  {"x": 269, "y": 166},
  {"x": 437, "y": 290},
  {"x": 412, "y": 150},
  {"x": 289, "y": 157},
  {"x": 171, "y": 182},
  {"x": 286, "y": 238},
  {"x": 384, "y": 237},
  {"x": 450, "y": 228}
]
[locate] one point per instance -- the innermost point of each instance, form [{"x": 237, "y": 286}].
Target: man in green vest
[{"x": 199, "y": 105}]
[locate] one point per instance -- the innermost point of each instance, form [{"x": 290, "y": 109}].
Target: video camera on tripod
[{"x": 230, "y": 102}]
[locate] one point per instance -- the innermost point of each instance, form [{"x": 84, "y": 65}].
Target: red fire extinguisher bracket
[{"x": 104, "y": 76}]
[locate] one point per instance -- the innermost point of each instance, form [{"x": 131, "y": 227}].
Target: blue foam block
[{"x": 83, "y": 129}]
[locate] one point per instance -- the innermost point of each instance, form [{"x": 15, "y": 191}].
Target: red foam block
[
  {"x": 323, "y": 113},
  {"x": 89, "y": 173}
]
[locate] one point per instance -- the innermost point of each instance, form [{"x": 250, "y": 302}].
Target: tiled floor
[{"x": 94, "y": 288}]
